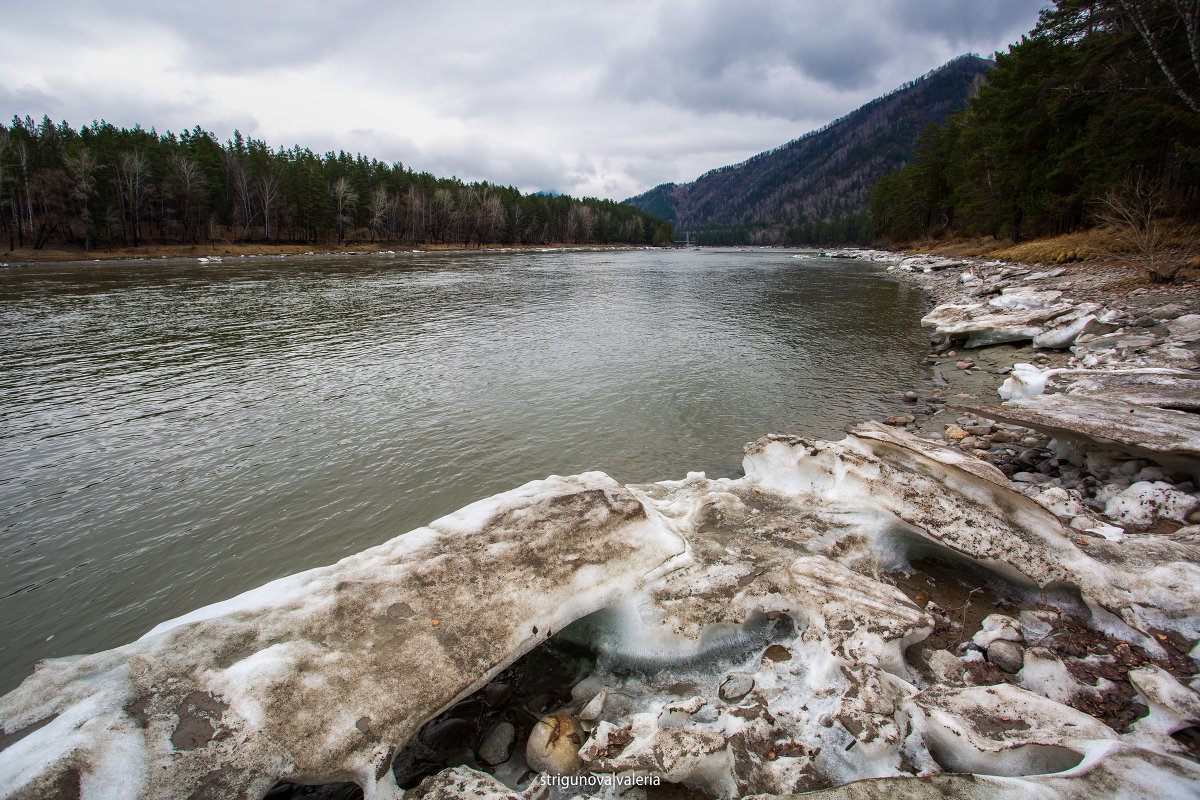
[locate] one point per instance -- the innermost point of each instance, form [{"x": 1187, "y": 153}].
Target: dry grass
[{"x": 1183, "y": 241}]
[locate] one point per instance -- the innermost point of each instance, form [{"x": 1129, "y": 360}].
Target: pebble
[
  {"x": 911, "y": 397},
  {"x": 969, "y": 442},
  {"x": 946, "y": 667},
  {"x": 451, "y": 734},
  {"x": 964, "y": 364},
  {"x": 899, "y": 421},
  {"x": 955, "y": 432},
  {"x": 1006, "y": 655},
  {"x": 978, "y": 430},
  {"x": 497, "y": 744},
  {"x": 736, "y": 687}
]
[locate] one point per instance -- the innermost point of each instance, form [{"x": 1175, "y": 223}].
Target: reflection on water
[{"x": 174, "y": 434}]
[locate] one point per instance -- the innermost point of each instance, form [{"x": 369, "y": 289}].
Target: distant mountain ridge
[{"x": 815, "y": 187}]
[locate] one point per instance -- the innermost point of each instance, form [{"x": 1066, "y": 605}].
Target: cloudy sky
[{"x": 605, "y": 98}]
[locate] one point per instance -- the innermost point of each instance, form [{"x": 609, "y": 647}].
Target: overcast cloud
[{"x": 605, "y": 98}]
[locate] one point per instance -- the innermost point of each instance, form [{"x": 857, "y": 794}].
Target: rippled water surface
[{"x": 173, "y": 434}]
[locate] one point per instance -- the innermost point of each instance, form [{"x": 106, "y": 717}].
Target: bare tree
[
  {"x": 243, "y": 198},
  {"x": 1132, "y": 211},
  {"x": 82, "y": 171},
  {"x": 344, "y": 200},
  {"x": 442, "y": 212},
  {"x": 382, "y": 210},
  {"x": 189, "y": 183},
  {"x": 133, "y": 180},
  {"x": 493, "y": 217},
  {"x": 266, "y": 191}
]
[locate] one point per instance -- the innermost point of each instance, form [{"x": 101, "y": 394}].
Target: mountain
[{"x": 814, "y": 189}]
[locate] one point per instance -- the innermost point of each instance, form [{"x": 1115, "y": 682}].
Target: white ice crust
[{"x": 320, "y": 676}]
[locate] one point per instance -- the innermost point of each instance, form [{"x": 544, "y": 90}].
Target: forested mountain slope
[
  {"x": 814, "y": 188},
  {"x": 1096, "y": 112}
]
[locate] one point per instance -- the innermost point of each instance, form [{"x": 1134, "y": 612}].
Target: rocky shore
[
  {"x": 972, "y": 598},
  {"x": 1095, "y": 344}
]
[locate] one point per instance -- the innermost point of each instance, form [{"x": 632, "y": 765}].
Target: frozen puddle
[{"x": 880, "y": 607}]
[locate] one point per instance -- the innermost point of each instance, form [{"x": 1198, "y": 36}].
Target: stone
[
  {"x": 955, "y": 432},
  {"x": 735, "y": 687},
  {"x": 911, "y": 397},
  {"x": 946, "y": 667},
  {"x": 899, "y": 420},
  {"x": 553, "y": 745},
  {"x": 1186, "y": 328},
  {"x": 1008, "y": 656},
  {"x": 964, "y": 364},
  {"x": 969, "y": 442},
  {"x": 497, "y": 744}
]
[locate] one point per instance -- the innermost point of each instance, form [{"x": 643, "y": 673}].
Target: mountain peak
[{"x": 823, "y": 176}]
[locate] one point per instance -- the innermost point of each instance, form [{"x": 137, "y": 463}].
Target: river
[{"x": 175, "y": 433}]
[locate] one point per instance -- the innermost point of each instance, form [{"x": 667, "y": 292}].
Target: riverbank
[
  {"x": 1126, "y": 309},
  {"x": 219, "y": 250}
]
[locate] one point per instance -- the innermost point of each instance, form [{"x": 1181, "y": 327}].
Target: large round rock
[{"x": 554, "y": 744}]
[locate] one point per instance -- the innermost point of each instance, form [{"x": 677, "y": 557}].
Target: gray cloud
[{"x": 590, "y": 98}]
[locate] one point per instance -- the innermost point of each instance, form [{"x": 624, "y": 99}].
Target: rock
[
  {"x": 900, "y": 420},
  {"x": 969, "y": 442},
  {"x": 946, "y": 667},
  {"x": 955, "y": 432},
  {"x": 497, "y": 744},
  {"x": 1186, "y": 328},
  {"x": 1193, "y": 516},
  {"x": 553, "y": 745},
  {"x": 449, "y": 734},
  {"x": 594, "y": 708},
  {"x": 776, "y": 653},
  {"x": 978, "y": 430},
  {"x": 1006, "y": 655},
  {"x": 911, "y": 397},
  {"x": 964, "y": 364},
  {"x": 1004, "y": 437}
]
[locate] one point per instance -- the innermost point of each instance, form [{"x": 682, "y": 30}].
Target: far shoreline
[{"x": 221, "y": 251}]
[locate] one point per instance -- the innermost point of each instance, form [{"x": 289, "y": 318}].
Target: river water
[{"x": 172, "y": 434}]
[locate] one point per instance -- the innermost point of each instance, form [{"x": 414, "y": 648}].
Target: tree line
[
  {"x": 1102, "y": 94},
  {"x": 103, "y": 186}
]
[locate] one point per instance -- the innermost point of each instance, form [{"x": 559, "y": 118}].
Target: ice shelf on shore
[{"x": 751, "y": 636}]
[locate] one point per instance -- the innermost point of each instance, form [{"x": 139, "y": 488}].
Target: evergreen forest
[
  {"x": 103, "y": 186},
  {"x": 1098, "y": 106}
]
